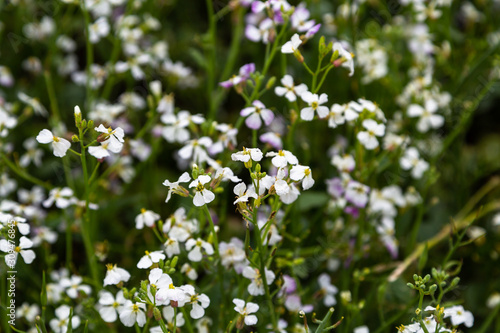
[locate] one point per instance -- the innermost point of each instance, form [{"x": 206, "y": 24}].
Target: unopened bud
[
  {"x": 157, "y": 314},
  {"x": 270, "y": 82},
  {"x": 75, "y": 138}
]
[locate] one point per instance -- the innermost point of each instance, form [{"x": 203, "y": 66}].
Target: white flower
[
  {"x": 202, "y": 196},
  {"x": 282, "y": 158},
  {"x": 28, "y": 311},
  {"x": 361, "y": 329},
  {"x": 428, "y": 117},
  {"x": 357, "y": 193},
  {"x": 109, "y": 305},
  {"x": 102, "y": 150},
  {"x": 113, "y": 137},
  {"x": 248, "y": 153},
  {"x": 62, "y": 197},
  {"x": 336, "y": 115},
  {"x": 158, "y": 279},
  {"x": 194, "y": 247},
  {"x": 199, "y": 302},
  {"x": 289, "y": 90},
  {"x": 301, "y": 172},
  {"x": 292, "y": 45},
  {"x": 368, "y": 138},
  {"x": 346, "y": 58},
  {"x": 6, "y": 122},
  {"x": 243, "y": 194},
  {"x": 146, "y": 217},
  {"x": 98, "y": 29},
  {"x": 245, "y": 310},
  {"x": 189, "y": 271},
  {"x": 175, "y": 296},
  {"x": 328, "y": 290},
  {"x": 174, "y": 187},
  {"x": 175, "y": 129},
  {"x": 345, "y": 163},
  {"x": 32, "y": 153},
  {"x": 130, "y": 313},
  {"x": 60, "y": 324},
  {"x": 73, "y": 286},
  {"x": 169, "y": 314},
  {"x": 232, "y": 253},
  {"x": 13, "y": 251},
  {"x": 115, "y": 275},
  {"x": 172, "y": 247},
  {"x": 60, "y": 145},
  {"x": 256, "y": 287},
  {"x": 459, "y": 316},
  {"x": 411, "y": 160},
  {"x": 314, "y": 102},
  {"x": 150, "y": 258}
]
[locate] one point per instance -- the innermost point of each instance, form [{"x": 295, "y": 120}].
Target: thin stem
[
  {"x": 260, "y": 250},
  {"x": 86, "y": 219},
  {"x": 90, "y": 54},
  {"x": 23, "y": 174},
  {"x": 211, "y": 59}
]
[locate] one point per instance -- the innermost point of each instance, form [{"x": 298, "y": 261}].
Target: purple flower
[
  {"x": 256, "y": 114},
  {"x": 242, "y": 76}
]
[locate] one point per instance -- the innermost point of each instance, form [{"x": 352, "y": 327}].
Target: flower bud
[
  {"x": 75, "y": 138},
  {"x": 174, "y": 262},
  {"x": 270, "y": 82},
  {"x": 157, "y": 314}
]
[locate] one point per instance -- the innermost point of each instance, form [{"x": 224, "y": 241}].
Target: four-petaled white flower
[
  {"x": 202, "y": 196},
  {"x": 130, "y": 313},
  {"x": 60, "y": 145},
  {"x": 62, "y": 197},
  {"x": 194, "y": 247},
  {"x": 289, "y": 90},
  {"x": 368, "y": 138},
  {"x": 246, "y": 310},
  {"x": 314, "y": 101},
  {"x": 292, "y": 45},
  {"x": 428, "y": 117},
  {"x": 199, "y": 302},
  {"x": 60, "y": 323},
  {"x": 256, "y": 114},
  {"x": 23, "y": 249},
  {"x": 73, "y": 286},
  {"x": 109, "y": 305},
  {"x": 256, "y": 287},
  {"x": 411, "y": 160}
]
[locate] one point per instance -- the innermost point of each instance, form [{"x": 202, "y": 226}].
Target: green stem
[
  {"x": 23, "y": 174},
  {"x": 322, "y": 79},
  {"x": 90, "y": 54},
  {"x": 260, "y": 250},
  {"x": 86, "y": 227},
  {"x": 211, "y": 59}
]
